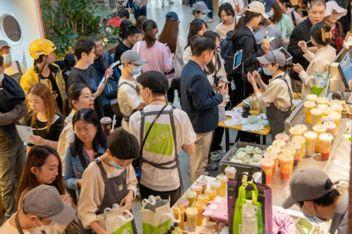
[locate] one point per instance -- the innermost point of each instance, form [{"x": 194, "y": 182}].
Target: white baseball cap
[{"x": 257, "y": 7}]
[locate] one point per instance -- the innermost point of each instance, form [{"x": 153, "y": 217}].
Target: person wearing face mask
[
  {"x": 84, "y": 72},
  {"x": 13, "y": 68},
  {"x": 200, "y": 10},
  {"x": 109, "y": 179},
  {"x": 319, "y": 199},
  {"x": 156, "y": 53},
  {"x": 316, "y": 12},
  {"x": 320, "y": 61},
  {"x": 128, "y": 100},
  {"x": 12, "y": 109},
  {"x": 41, "y": 206},
  {"x": 333, "y": 14},
  {"x": 45, "y": 71},
  {"x": 277, "y": 96},
  {"x": 200, "y": 102}
]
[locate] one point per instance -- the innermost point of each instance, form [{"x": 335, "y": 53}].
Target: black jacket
[
  {"x": 300, "y": 33},
  {"x": 198, "y": 98}
]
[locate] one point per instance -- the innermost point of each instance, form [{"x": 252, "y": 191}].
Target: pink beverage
[
  {"x": 319, "y": 129},
  {"x": 325, "y": 140},
  {"x": 317, "y": 115},
  {"x": 106, "y": 125},
  {"x": 330, "y": 127},
  {"x": 311, "y": 139},
  {"x": 308, "y": 106},
  {"x": 286, "y": 166},
  {"x": 267, "y": 166}
]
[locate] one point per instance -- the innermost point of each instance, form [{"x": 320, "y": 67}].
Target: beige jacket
[{"x": 319, "y": 63}]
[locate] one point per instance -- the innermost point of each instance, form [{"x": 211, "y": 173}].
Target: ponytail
[{"x": 149, "y": 35}]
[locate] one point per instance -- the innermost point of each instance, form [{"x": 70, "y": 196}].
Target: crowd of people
[{"x": 70, "y": 170}]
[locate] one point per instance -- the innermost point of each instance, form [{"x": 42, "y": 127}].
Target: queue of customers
[{"x": 70, "y": 160}]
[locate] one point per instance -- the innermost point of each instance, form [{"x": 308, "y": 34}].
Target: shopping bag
[
  {"x": 156, "y": 215},
  {"x": 248, "y": 213},
  {"x": 264, "y": 198},
  {"x": 117, "y": 220}
]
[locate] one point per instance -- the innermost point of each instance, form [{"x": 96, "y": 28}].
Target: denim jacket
[{"x": 74, "y": 168}]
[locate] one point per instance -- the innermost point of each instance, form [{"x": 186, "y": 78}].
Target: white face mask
[
  {"x": 7, "y": 59},
  {"x": 204, "y": 17},
  {"x": 137, "y": 70},
  {"x": 267, "y": 72}
]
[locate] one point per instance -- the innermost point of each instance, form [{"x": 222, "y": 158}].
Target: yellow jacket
[{"x": 30, "y": 78}]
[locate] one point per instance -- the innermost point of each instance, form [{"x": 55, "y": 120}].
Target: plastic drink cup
[
  {"x": 311, "y": 139},
  {"x": 179, "y": 214},
  {"x": 282, "y": 136},
  {"x": 308, "y": 106},
  {"x": 191, "y": 214},
  {"x": 302, "y": 141},
  {"x": 203, "y": 182},
  {"x": 317, "y": 115},
  {"x": 223, "y": 188},
  {"x": 330, "y": 127},
  {"x": 230, "y": 172},
  {"x": 106, "y": 125},
  {"x": 298, "y": 130},
  {"x": 203, "y": 198},
  {"x": 216, "y": 186},
  {"x": 183, "y": 202},
  {"x": 311, "y": 97},
  {"x": 322, "y": 100},
  {"x": 337, "y": 108},
  {"x": 286, "y": 166},
  {"x": 211, "y": 193},
  {"x": 200, "y": 207},
  {"x": 319, "y": 129},
  {"x": 297, "y": 147},
  {"x": 335, "y": 117},
  {"x": 267, "y": 164},
  {"x": 325, "y": 140},
  {"x": 279, "y": 143},
  {"x": 191, "y": 196},
  {"x": 274, "y": 157},
  {"x": 197, "y": 188}
]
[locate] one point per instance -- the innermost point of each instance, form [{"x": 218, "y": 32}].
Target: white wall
[{"x": 28, "y": 16}]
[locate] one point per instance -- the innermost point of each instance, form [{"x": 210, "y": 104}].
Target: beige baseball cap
[{"x": 257, "y": 7}]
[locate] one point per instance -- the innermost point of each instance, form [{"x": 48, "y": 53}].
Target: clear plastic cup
[
  {"x": 191, "y": 215},
  {"x": 279, "y": 143},
  {"x": 197, "y": 188},
  {"x": 223, "y": 188},
  {"x": 322, "y": 100},
  {"x": 274, "y": 156},
  {"x": 200, "y": 207},
  {"x": 311, "y": 139},
  {"x": 216, "y": 186},
  {"x": 283, "y": 137},
  {"x": 317, "y": 115},
  {"x": 335, "y": 117},
  {"x": 298, "y": 130},
  {"x": 191, "y": 196},
  {"x": 203, "y": 182},
  {"x": 203, "y": 198},
  {"x": 325, "y": 140},
  {"x": 230, "y": 172},
  {"x": 302, "y": 141},
  {"x": 297, "y": 147},
  {"x": 211, "y": 193},
  {"x": 311, "y": 97},
  {"x": 319, "y": 129},
  {"x": 267, "y": 165},
  {"x": 330, "y": 127},
  {"x": 286, "y": 166},
  {"x": 308, "y": 106}
]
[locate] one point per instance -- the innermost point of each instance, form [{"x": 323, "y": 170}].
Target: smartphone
[{"x": 114, "y": 64}]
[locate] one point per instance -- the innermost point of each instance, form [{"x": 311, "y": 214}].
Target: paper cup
[
  {"x": 319, "y": 129},
  {"x": 106, "y": 125},
  {"x": 267, "y": 165},
  {"x": 325, "y": 140},
  {"x": 286, "y": 166},
  {"x": 311, "y": 139},
  {"x": 308, "y": 106},
  {"x": 317, "y": 115}
]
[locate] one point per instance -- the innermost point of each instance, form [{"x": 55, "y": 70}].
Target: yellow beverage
[
  {"x": 211, "y": 193},
  {"x": 191, "y": 196},
  {"x": 330, "y": 127},
  {"x": 302, "y": 141},
  {"x": 223, "y": 188},
  {"x": 319, "y": 129},
  {"x": 311, "y": 139},
  {"x": 317, "y": 115},
  {"x": 308, "y": 106},
  {"x": 216, "y": 186},
  {"x": 191, "y": 214},
  {"x": 200, "y": 207},
  {"x": 203, "y": 198}
]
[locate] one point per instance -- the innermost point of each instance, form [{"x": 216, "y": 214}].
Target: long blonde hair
[{"x": 42, "y": 91}]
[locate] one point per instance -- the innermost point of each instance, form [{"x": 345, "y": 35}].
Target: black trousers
[{"x": 172, "y": 195}]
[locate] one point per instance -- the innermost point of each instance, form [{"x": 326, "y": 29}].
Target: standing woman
[
  {"x": 79, "y": 96},
  {"x": 89, "y": 143},
  {"x": 319, "y": 62},
  {"x": 45, "y": 121},
  {"x": 228, "y": 20},
  {"x": 333, "y": 14},
  {"x": 243, "y": 39},
  {"x": 196, "y": 27},
  {"x": 170, "y": 36},
  {"x": 150, "y": 49}
]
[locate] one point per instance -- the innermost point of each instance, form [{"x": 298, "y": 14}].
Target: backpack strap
[
  {"x": 283, "y": 78},
  {"x": 19, "y": 67}
]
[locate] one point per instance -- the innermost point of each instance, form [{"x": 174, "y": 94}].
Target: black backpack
[{"x": 11, "y": 94}]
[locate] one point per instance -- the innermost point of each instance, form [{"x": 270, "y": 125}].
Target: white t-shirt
[
  {"x": 127, "y": 98},
  {"x": 7, "y": 228},
  {"x": 159, "y": 146}
]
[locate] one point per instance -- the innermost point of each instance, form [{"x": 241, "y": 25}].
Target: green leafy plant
[{"x": 67, "y": 20}]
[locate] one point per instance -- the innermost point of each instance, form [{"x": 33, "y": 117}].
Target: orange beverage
[
  {"x": 216, "y": 186},
  {"x": 200, "y": 207},
  {"x": 311, "y": 139},
  {"x": 317, "y": 115},
  {"x": 223, "y": 188},
  {"x": 203, "y": 198},
  {"x": 197, "y": 188},
  {"x": 286, "y": 166},
  {"x": 211, "y": 193},
  {"x": 302, "y": 141},
  {"x": 267, "y": 165},
  {"x": 319, "y": 129},
  {"x": 325, "y": 140},
  {"x": 308, "y": 106},
  {"x": 191, "y": 196}
]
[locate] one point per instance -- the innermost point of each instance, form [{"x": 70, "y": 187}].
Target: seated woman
[
  {"x": 277, "y": 96},
  {"x": 80, "y": 97},
  {"x": 89, "y": 143},
  {"x": 43, "y": 166},
  {"x": 108, "y": 180},
  {"x": 320, "y": 61},
  {"x": 45, "y": 121}
]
